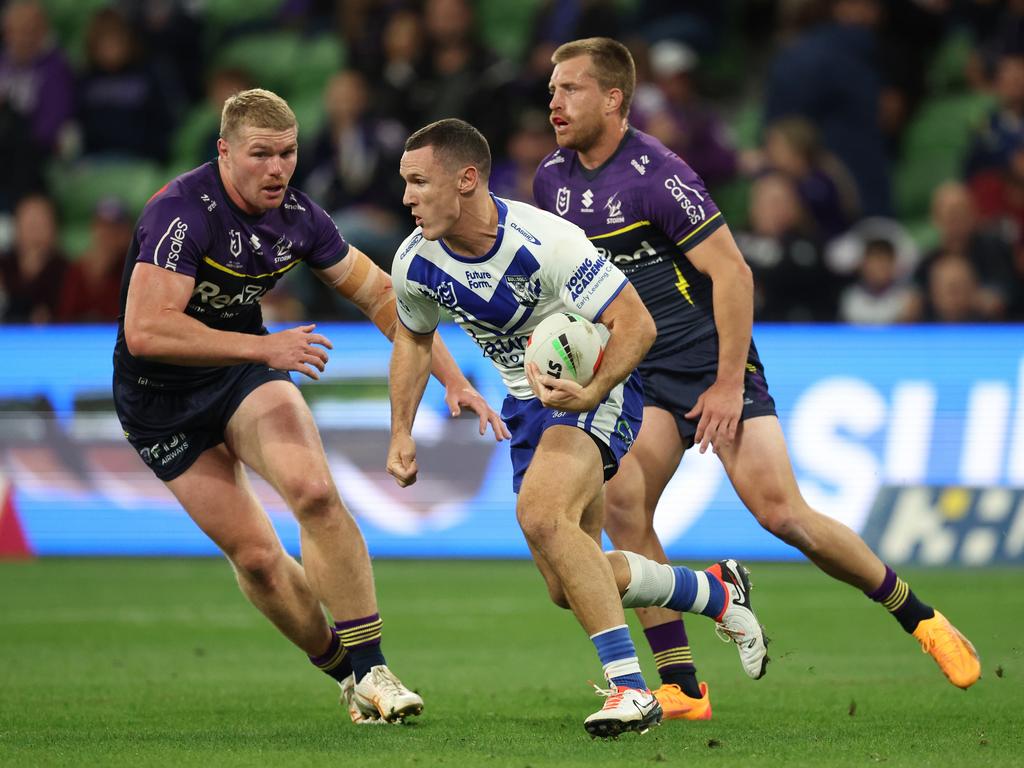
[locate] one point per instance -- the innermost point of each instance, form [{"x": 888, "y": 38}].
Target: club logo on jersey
[
  {"x": 614, "y": 208},
  {"x": 640, "y": 166},
  {"x": 282, "y": 249},
  {"x": 562, "y": 201},
  {"x": 678, "y": 190},
  {"x": 558, "y": 158},
  {"x": 236, "y": 242},
  {"x": 526, "y": 291},
  {"x": 587, "y": 198},
  {"x": 293, "y": 204},
  {"x": 524, "y": 233}
]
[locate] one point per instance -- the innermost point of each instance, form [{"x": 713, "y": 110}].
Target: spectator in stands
[
  {"x": 791, "y": 281},
  {"x": 32, "y": 273},
  {"x": 1003, "y": 130},
  {"x": 353, "y": 163},
  {"x": 830, "y": 76},
  {"x": 91, "y": 290},
  {"x": 20, "y": 157},
  {"x": 878, "y": 297},
  {"x": 792, "y": 146},
  {"x": 459, "y": 76},
  {"x": 670, "y": 109},
  {"x": 35, "y": 77},
  {"x": 122, "y": 108},
  {"x": 988, "y": 254},
  {"x": 527, "y": 148},
  {"x": 952, "y": 291},
  {"x": 393, "y": 92}
]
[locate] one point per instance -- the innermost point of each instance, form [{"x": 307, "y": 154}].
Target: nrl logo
[
  {"x": 446, "y": 295},
  {"x": 526, "y": 291}
]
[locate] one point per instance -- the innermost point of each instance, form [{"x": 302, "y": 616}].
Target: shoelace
[
  {"x": 727, "y": 635},
  {"x": 614, "y": 695},
  {"x": 387, "y": 680},
  {"x": 944, "y": 643}
]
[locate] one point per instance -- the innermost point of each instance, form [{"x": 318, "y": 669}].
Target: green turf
[{"x": 161, "y": 662}]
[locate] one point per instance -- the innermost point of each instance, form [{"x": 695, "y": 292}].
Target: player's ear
[
  {"x": 222, "y": 147},
  {"x": 468, "y": 179},
  {"x": 614, "y": 100}
]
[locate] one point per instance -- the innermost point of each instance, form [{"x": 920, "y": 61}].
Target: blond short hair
[
  {"x": 255, "y": 108},
  {"x": 612, "y": 62}
]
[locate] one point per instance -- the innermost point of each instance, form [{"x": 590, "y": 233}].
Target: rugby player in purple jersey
[
  {"x": 201, "y": 389},
  {"x": 704, "y": 384}
]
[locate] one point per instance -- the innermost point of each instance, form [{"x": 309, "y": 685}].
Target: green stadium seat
[
  {"x": 947, "y": 72},
  {"x": 506, "y": 26},
  {"x": 733, "y": 200},
  {"x": 79, "y": 187},
  {"x": 224, "y": 14},
  {"x": 188, "y": 147},
  {"x": 934, "y": 147},
  {"x": 69, "y": 19},
  {"x": 285, "y": 62}
]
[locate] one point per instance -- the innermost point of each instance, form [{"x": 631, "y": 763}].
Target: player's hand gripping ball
[{"x": 566, "y": 346}]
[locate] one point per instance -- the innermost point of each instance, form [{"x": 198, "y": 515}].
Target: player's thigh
[
  {"x": 216, "y": 494},
  {"x": 565, "y": 474},
  {"x": 647, "y": 468},
  {"x": 759, "y": 468},
  {"x": 273, "y": 431}
]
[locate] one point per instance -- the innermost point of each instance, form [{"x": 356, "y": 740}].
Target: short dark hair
[
  {"x": 456, "y": 142},
  {"x": 881, "y": 245},
  {"x": 613, "y": 65}
]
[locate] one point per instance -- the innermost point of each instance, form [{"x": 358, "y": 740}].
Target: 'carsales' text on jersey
[
  {"x": 642, "y": 209},
  {"x": 192, "y": 228},
  {"x": 538, "y": 265}
]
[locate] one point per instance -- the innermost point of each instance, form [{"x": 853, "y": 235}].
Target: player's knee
[
  {"x": 783, "y": 520},
  {"x": 312, "y": 498},
  {"x": 538, "y": 522},
  {"x": 258, "y": 564}
]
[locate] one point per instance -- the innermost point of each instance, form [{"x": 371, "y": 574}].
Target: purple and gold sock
[
  {"x": 673, "y": 657},
  {"x": 334, "y": 661},
  {"x": 901, "y": 601},
  {"x": 361, "y": 638}
]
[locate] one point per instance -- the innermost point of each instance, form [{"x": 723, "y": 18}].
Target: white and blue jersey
[{"x": 539, "y": 264}]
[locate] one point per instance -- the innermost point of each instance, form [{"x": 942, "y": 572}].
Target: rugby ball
[{"x": 566, "y": 346}]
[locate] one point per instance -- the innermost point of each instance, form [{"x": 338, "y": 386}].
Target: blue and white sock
[
  {"x": 672, "y": 586},
  {"x": 618, "y": 656}
]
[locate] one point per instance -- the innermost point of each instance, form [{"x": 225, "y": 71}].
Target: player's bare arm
[
  {"x": 632, "y": 333},
  {"x": 157, "y": 328},
  {"x": 359, "y": 280},
  {"x": 409, "y": 371},
  {"x": 720, "y": 406}
]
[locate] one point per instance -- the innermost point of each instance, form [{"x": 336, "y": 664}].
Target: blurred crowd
[{"x": 869, "y": 155}]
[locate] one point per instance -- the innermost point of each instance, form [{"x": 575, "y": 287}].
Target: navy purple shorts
[
  {"x": 674, "y": 382},
  {"x": 170, "y": 428}
]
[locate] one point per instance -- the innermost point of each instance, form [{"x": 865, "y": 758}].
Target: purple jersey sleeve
[
  {"x": 679, "y": 204},
  {"x": 328, "y": 247},
  {"x": 173, "y": 234}
]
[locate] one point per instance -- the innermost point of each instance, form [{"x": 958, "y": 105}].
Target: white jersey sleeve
[
  {"x": 416, "y": 310},
  {"x": 586, "y": 281}
]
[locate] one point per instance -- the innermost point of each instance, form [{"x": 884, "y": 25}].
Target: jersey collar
[
  {"x": 590, "y": 175},
  {"x": 502, "y": 213}
]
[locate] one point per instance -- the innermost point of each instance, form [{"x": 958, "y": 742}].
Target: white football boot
[
  {"x": 381, "y": 692},
  {"x": 359, "y": 715},
  {"x": 625, "y": 709},
  {"x": 739, "y": 624}
]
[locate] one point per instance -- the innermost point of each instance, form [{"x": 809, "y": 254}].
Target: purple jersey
[
  {"x": 643, "y": 209},
  {"x": 191, "y": 227}
]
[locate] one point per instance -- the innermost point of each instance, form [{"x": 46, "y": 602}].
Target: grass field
[{"x": 162, "y": 662}]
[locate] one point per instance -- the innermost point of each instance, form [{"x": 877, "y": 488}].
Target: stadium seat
[
  {"x": 506, "y": 26},
  {"x": 188, "y": 144},
  {"x": 221, "y": 15},
  {"x": 79, "y": 187},
  {"x": 69, "y": 18},
  {"x": 948, "y": 70},
  {"x": 272, "y": 58},
  {"x": 322, "y": 57},
  {"x": 934, "y": 147},
  {"x": 733, "y": 200}
]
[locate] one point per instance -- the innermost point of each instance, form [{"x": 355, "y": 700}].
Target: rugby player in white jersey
[{"x": 499, "y": 267}]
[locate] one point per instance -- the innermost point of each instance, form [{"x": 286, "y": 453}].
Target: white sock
[{"x": 650, "y": 583}]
